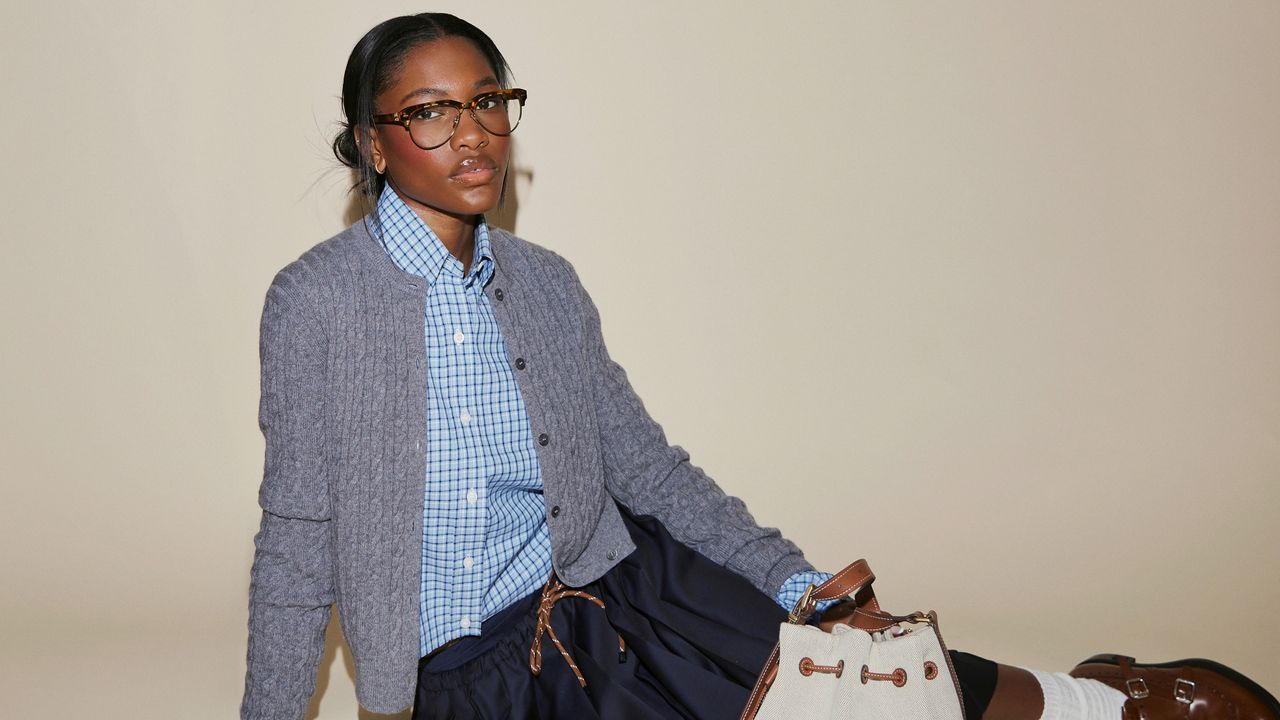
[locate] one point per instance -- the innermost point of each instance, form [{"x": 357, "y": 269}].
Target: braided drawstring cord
[{"x": 553, "y": 592}]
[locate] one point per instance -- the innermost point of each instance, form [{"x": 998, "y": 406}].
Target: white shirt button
[
  {"x": 458, "y": 337},
  {"x": 465, "y": 623},
  {"x": 467, "y": 562},
  {"x": 472, "y": 497},
  {"x": 465, "y": 417}
]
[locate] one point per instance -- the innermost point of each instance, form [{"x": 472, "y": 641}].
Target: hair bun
[{"x": 345, "y": 148}]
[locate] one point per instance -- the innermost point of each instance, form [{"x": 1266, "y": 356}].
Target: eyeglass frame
[{"x": 405, "y": 116}]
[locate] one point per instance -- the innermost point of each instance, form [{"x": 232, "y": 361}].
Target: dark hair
[{"x": 374, "y": 63}]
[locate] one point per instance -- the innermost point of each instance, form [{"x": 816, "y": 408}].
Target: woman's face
[{"x": 464, "y": 176}]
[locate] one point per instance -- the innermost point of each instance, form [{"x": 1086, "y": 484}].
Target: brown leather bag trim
[
  {"x": 855, "y": 580},
  {"x": 762, "y": 686}
]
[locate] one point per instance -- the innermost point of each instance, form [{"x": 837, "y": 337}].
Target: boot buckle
[
  {"x": 1137, "y": 688},
  {"x": 1184, "y": 691}
]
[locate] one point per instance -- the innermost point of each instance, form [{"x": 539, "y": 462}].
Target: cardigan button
[
  {"x": 519, "y": 363},
  {"x": 498, "y": 293},
  {"x": 555, "y": 511},
  {"x": 613, "y": 555},
  {"x": 543, "y": 439}
]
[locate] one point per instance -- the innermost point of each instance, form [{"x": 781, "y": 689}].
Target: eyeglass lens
[{"x": 432, "y": 126}]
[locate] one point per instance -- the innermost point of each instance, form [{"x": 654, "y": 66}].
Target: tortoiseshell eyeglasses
[{"x": 432, "y": 124}]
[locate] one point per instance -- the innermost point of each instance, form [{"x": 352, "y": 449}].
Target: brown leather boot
[{"x": 1193, "y": 689}]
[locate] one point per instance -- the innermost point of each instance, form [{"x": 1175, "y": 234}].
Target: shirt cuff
[{"x": 793, "y": 589}]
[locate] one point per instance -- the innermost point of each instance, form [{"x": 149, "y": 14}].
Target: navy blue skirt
[{"x": 696, "y": 637}]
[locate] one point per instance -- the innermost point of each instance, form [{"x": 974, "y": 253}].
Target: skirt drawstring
[{"x": 552, "y": 592}]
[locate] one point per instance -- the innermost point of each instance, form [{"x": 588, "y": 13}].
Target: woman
[{"x": 453, "y": 458}]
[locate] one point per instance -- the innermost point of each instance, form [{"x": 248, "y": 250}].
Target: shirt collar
[{"x": 415, "y": 249}]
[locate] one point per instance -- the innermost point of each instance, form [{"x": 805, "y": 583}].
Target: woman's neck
[{"x": 457, "y": 234}]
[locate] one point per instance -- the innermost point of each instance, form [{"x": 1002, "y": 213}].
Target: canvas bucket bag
[{"x": 860, "y": 662}]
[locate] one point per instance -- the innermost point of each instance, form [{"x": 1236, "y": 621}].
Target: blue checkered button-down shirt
[{"x": 485, "y": 542}]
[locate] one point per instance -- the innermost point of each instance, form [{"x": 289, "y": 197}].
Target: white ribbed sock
[{"x": 1068, "y": 698}]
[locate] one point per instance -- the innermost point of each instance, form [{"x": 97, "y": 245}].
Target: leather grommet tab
[
  {"x": 809, "y": 667},
  {"x": 898, "y": 677}
]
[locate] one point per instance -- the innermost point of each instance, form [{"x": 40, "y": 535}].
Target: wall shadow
[{"x": 504, "y": 216}]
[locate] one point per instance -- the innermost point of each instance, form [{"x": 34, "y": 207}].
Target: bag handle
[
  {"x": 854, "y": 581},
  {"x": 848, "y": 581}
]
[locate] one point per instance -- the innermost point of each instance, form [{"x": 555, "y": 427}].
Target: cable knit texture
[{"x": 344, "y": 411}]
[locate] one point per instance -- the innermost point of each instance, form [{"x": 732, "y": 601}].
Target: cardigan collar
[{"x": 366, "y": 233}]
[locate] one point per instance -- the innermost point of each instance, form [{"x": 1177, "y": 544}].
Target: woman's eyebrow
[
  {"x": 422, "y": 91},
  {"x": 481, "y": 83}
]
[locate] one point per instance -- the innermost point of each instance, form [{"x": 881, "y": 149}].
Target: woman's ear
[{"x": 369, "y": 145}]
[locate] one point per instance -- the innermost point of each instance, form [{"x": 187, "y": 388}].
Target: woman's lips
[{"x": 479, "y": 174}]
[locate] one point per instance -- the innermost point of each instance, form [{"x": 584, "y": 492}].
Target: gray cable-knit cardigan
[{"x": 344, "y": 416}]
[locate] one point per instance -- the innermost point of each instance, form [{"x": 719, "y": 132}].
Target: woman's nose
[{"x": 469, "y": 133}]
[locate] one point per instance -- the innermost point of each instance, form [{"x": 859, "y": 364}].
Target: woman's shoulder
[
  {"x": 327, "y": 264},
  {"x": 514, "y": 254}
]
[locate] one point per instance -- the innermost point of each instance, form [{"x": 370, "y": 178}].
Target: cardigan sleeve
[
  {"x": 652, "y": 477},
  {"x": 291, "y": 584}
]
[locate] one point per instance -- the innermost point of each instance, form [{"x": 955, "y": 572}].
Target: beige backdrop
[{"x": 988, "y": 293}]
